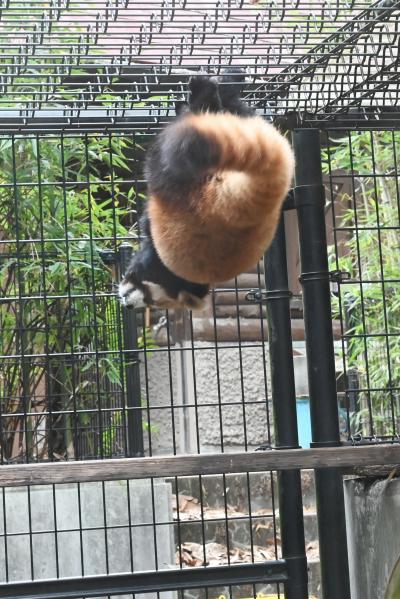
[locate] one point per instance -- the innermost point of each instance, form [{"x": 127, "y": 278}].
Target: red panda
[{"x": 216, "y": 183}]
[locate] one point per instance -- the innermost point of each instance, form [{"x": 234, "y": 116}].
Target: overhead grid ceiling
[{"x": 122, "y": 61}]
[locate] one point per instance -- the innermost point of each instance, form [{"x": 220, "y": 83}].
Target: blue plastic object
[{"x": 304, "y": 421}]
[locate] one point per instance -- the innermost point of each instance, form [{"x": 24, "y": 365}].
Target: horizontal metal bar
[
  {"x": 134, "y": 468},
  {"x": 357, "y": 123},
  {"x": 87, "y": 120},
  {"x": 146, "y": 582},
  {"x": 94, "y": 121}
]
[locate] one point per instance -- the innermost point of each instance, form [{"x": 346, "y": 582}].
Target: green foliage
[
  {"x": 110, "y": 433},
  {"x": 368, "y": 249},
  {"x": 62, "y": 203}
]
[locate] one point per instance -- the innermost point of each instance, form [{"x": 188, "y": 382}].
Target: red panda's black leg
[{"x": 204, "y": 95}]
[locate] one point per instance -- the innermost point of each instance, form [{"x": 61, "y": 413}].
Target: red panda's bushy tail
[{"x": 251, "y": 151}]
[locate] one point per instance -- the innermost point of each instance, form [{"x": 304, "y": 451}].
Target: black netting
[{"x": 119, "y": 62}]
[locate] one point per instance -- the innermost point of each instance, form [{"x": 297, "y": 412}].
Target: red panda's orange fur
[{"x": 230, "y": 220}]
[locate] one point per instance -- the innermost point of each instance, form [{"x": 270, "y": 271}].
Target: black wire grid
[
  {"x": 81, "y": 378},
  {"x": 320, "y": 61},
  {"x": 365, "y": 221},
  {"x": 83, "y": 88}
]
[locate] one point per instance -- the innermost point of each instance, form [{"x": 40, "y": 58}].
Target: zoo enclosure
[{"x": 84, "y": 88}]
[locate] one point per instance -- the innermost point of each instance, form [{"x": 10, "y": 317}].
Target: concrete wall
[
  {"x": 219, "y": 391},
  {"x": 213, "y": 400},
  {"x": 89, "y": 527},
  {"x": 373, "y": 529}
]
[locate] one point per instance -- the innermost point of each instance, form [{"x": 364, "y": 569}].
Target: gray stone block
[
  {"x": 373, "y": 530},
  {"x": 117, "y": 521},
  {"x": 229, "y": 392}
]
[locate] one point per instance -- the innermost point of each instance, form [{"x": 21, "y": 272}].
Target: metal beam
[
  {"x": 146, "y": 582},
  {"x": 309, "y": 199},
  {"x": 285, "y": 417}
]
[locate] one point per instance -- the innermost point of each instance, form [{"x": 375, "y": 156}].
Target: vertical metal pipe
[
  {"x": 186, "y": 383},
  {"x": 285, "y": 418},
  {"x": 132, "y": 372},
  {"x": 309, "y": 199}
]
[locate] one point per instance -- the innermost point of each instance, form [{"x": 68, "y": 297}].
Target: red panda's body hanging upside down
[{"x": 216, "y": 184}]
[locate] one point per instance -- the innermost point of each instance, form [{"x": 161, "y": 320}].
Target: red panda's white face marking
[
  {"x": 131, "y": 296},
  {"x": 153, "y": 294}
]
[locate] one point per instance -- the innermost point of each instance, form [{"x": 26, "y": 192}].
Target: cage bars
[
  {"x": 133, "y": 423},
  {"x": 145, "y": 582},
  {"x": 294, "y": 62},
  {"x": 363, "y": 234},
  {"x": 309, "y": 198},
  {"x": 117, "y": 67},
  {"x": 285, "y": 417}
]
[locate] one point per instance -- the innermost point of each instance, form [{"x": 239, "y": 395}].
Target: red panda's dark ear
[{"x": 181, "y": 107}]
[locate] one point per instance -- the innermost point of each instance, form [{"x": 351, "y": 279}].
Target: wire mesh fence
[
  {"x": 81, "y": 379},
  {"x": 117, "y": 62},
  {"x": 67, "y": 204},
  {"x": 70, "y": 377},
  {"x": 61, "y": 349},
  {"x": 363, "y": 179},
  {"x": 84, "y": 86},
  {"x": 103, "y": 528}
]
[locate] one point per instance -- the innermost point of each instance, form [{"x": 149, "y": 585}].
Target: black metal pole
[
  {"x": 309, "y": 197},
  {"x": 132, "y": 372},
  {"x": 285, "y": 417}
]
